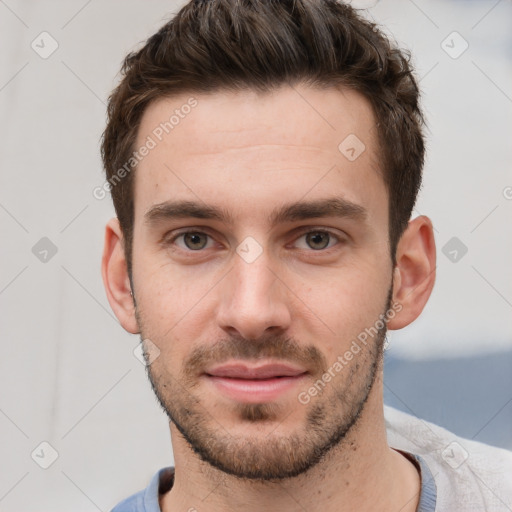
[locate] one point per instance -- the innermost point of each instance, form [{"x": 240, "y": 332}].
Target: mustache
[{"x": 269, "y": 346}]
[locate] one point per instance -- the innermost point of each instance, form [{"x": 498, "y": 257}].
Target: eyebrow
[
  {"x": 185, "y": 209},
  {"x": 301, "y": 210}
]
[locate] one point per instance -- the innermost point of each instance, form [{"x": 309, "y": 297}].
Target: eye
[
  {"x": 317, "y": 240},
  {"x": 192, "y": 240}
]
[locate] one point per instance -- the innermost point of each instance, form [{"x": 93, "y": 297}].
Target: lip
[
  {"x": 255, "y": 384},
  {"x": 263, "y": 371}
]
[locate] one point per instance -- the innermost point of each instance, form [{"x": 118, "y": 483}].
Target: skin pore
[{"x": 257, "y": 241}]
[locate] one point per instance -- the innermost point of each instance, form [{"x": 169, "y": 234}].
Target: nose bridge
[
  {"x": 253, "y": 281},
  {"x": 253, "y": 300}
]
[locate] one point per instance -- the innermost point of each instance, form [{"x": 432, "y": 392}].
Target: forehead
[{"x": 224, "y": 146}]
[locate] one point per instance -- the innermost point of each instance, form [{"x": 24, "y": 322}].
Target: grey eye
[
  {"x": 318, "y": 240},
  {"x": 195, "y": 241}
]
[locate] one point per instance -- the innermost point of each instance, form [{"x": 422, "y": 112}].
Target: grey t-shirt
[{"x": 147, "y": 500}]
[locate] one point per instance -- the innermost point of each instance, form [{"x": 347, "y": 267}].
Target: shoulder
[
  {"x": 134, "y": 503},
  {"x": 469, "y": 475},
  {"x": 147, "y": 499}
]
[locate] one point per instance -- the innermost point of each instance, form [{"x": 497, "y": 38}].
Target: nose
[{"x": 253, "y": 300}]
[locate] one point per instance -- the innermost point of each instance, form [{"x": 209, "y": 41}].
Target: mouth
[{"x": 255, "y": 384}]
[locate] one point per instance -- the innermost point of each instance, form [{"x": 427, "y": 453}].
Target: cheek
[
  {"x": 174, "y": 310},
  {"x": 164, "y": 292},
  {"x": 342, "y": 305}
]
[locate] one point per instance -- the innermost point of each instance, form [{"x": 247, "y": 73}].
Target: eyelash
[{"x": 171, "y": 240}]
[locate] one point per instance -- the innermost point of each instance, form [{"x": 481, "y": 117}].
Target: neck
[{"x": 360, "y": 473}]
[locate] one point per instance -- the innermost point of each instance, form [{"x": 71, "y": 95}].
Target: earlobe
[
  {"x": 414, "y": 274},
  {"x": 116, "y": 279}
]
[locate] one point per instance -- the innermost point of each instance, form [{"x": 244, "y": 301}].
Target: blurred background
[{"x": 69, "y": 374}]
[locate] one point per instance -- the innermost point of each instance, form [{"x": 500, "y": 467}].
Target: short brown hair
[{"x": 215, "y": 45}]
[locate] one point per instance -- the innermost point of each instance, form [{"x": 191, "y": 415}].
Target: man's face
[{"x": 260, "y": 255}]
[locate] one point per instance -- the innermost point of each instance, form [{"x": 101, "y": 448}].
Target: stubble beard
[{"x": 330, "y": 416}]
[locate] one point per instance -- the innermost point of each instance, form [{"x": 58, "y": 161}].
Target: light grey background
[{"x": 68, "y": 373}]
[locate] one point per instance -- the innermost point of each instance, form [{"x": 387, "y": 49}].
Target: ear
[
  {"x": 415, "y": 271},
  {"x": 116, "y": 279}
]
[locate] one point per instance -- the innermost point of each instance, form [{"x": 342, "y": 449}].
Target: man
[{"x": 264, "y": 159}]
